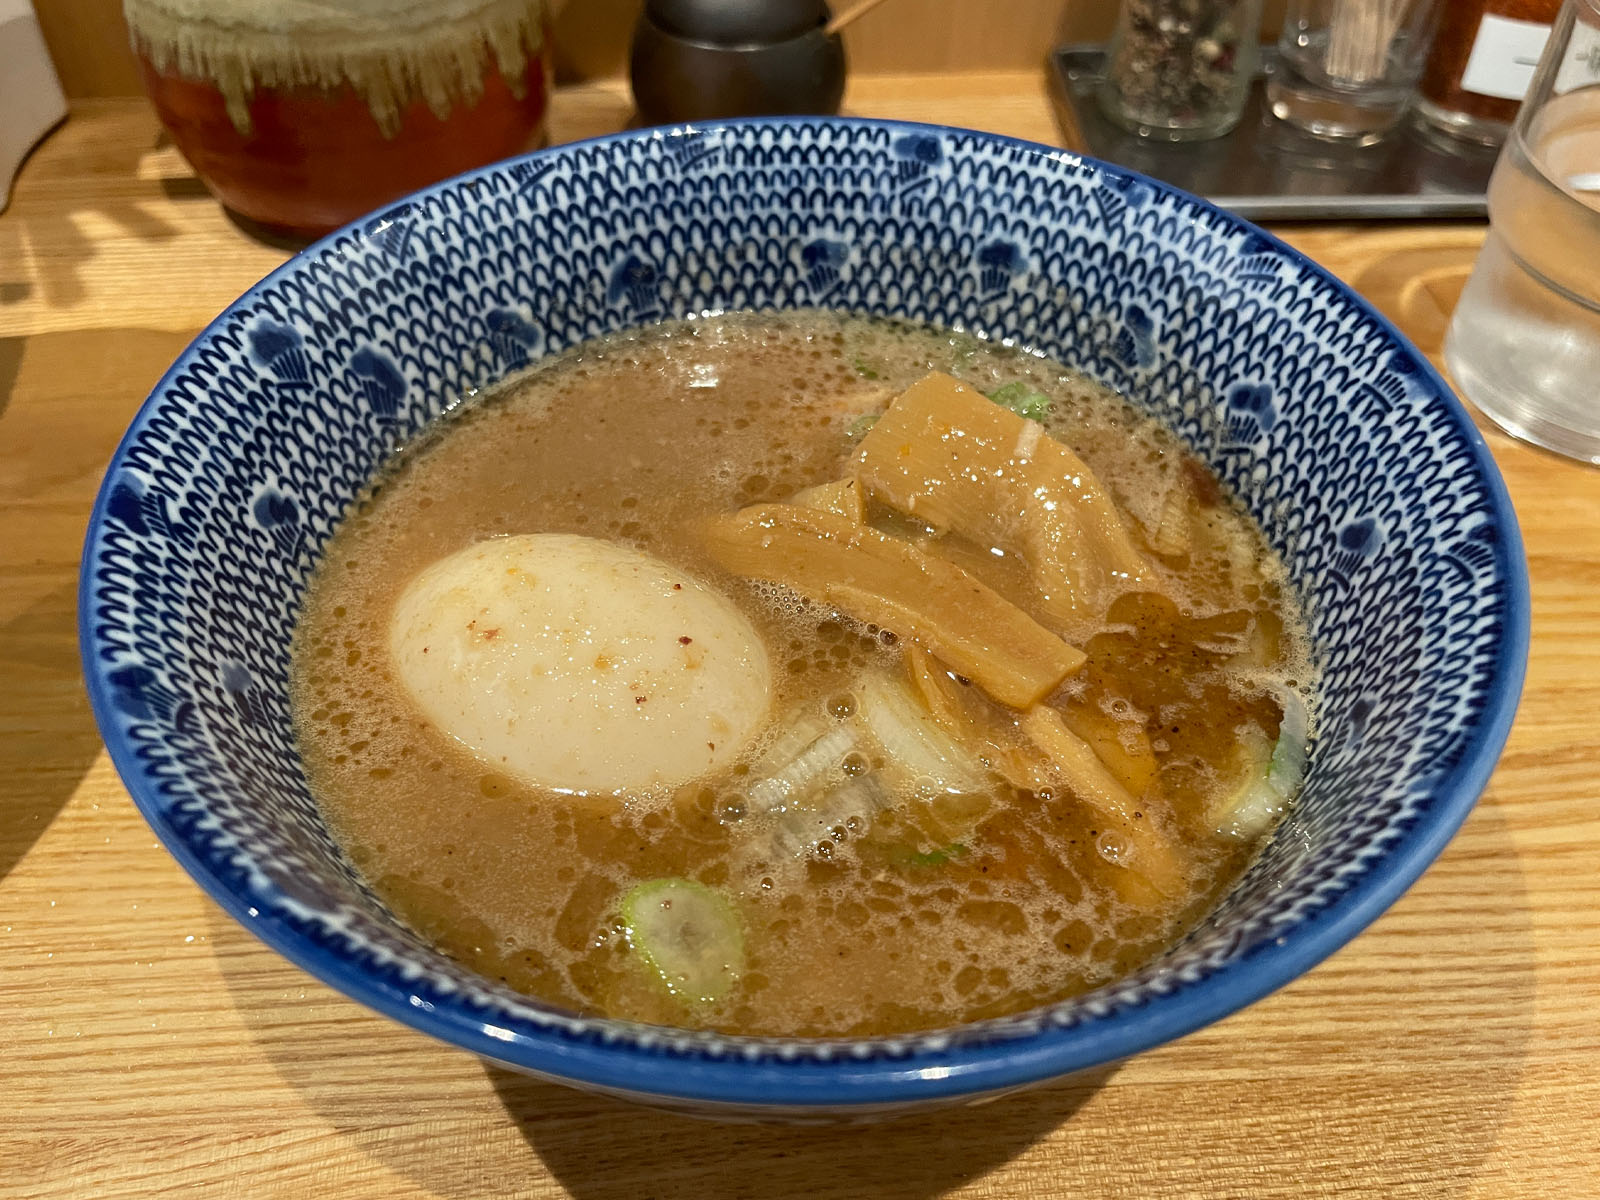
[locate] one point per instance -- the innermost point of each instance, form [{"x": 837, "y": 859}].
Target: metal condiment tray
[{"x": 1267, "y": 170}]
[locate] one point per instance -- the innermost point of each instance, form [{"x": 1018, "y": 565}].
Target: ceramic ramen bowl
[{"x": 1364, "y": 471}]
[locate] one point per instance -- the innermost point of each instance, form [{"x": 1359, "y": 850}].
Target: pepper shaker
[
  {"x": 1180, "y": 70},
  {"x": 698, "y": 60}
]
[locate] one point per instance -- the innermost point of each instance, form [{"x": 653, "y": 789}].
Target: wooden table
[{"x": 150, "y": 1046}]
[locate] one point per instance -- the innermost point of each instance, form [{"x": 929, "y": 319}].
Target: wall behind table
[{"x": 90, "y": 45}]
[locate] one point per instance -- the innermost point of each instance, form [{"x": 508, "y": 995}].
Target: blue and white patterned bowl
[{"x": 1363, "y": 469}]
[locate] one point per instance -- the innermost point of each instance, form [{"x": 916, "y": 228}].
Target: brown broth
[{"x": 633, "y": 438}]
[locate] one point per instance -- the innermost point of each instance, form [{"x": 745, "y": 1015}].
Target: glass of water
[
  {"x": 1349, "y": 67},
  {"x": 1524, "y": 344}
]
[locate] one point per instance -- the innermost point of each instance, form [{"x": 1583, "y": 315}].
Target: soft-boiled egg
[{"x": 579, "y": 664}]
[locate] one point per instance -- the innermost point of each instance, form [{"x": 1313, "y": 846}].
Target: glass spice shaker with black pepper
[
  {"x": 1180, "y": 70},
  {"x": 1481, "y": 64}
]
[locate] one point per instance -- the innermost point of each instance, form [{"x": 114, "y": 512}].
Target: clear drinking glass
[
  {"x": 1524, "y": 344},
  {"x": 1349, "y": 67}
]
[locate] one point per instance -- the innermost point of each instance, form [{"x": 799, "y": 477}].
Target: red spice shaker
[
  {"x": 1482, "y": 62},
  {"x": 301, "y": 115}
]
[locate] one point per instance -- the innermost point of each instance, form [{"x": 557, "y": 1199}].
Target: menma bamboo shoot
[
  {"x": 887, "y": 581},
  {"x": 951, "y": 457}
]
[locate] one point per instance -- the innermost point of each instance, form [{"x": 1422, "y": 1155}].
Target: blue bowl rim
[{"x": 966, "y": 1068}]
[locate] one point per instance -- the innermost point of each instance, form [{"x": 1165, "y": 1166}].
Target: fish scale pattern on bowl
[{"x": 1365, "y": 473}]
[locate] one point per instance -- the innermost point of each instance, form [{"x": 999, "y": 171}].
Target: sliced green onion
[
  {"x": 688, "y": 935},
  {"x": 803, "y": 760},
  {"x": 801, "y": 830},
  {"x": 910, "y": 736},
  {"x": 1288, "y": 769},
  {"x": 936, "y": 858},
  {"x": 1022, "y": 400},
  {"x": 1265, "y": 796},
  {"x": 965, "y": 346},
  {"x": 861, "y": 424}
]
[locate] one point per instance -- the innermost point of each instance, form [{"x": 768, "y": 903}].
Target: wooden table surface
[{"x": 150, "y": 1046}]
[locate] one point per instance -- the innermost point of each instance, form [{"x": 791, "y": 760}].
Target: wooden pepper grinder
[{"x": 699, "y": 60}]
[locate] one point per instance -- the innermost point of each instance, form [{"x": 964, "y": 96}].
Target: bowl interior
[{"x": 1364, "y": 472}]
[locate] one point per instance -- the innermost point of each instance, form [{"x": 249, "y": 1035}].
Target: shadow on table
[
  {"x": 58, "y": 237},
  {"x": 10, "y": 365},
  {"x": 625, "y": 1152},
  {"x": 1420, "y": 1062},
  {"x": 268, "y": 235},
  {"x": 56, "y": 390},
  {"x": 49, "y": 734},
  {"x": 462, "y": 1129}
]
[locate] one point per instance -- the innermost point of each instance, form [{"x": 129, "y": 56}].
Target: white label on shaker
[{"x": 1504, "y": 56}]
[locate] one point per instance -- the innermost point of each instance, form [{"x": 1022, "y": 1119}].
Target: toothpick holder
[{"x": 1350, "y": 67}]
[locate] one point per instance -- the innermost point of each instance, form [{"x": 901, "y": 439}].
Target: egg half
[{"x": 580, "y": 665}]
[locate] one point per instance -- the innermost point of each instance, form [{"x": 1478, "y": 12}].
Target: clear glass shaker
[
  {"x": 1481, "y": 65},
  {"x": 1180, "y": 70}
]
